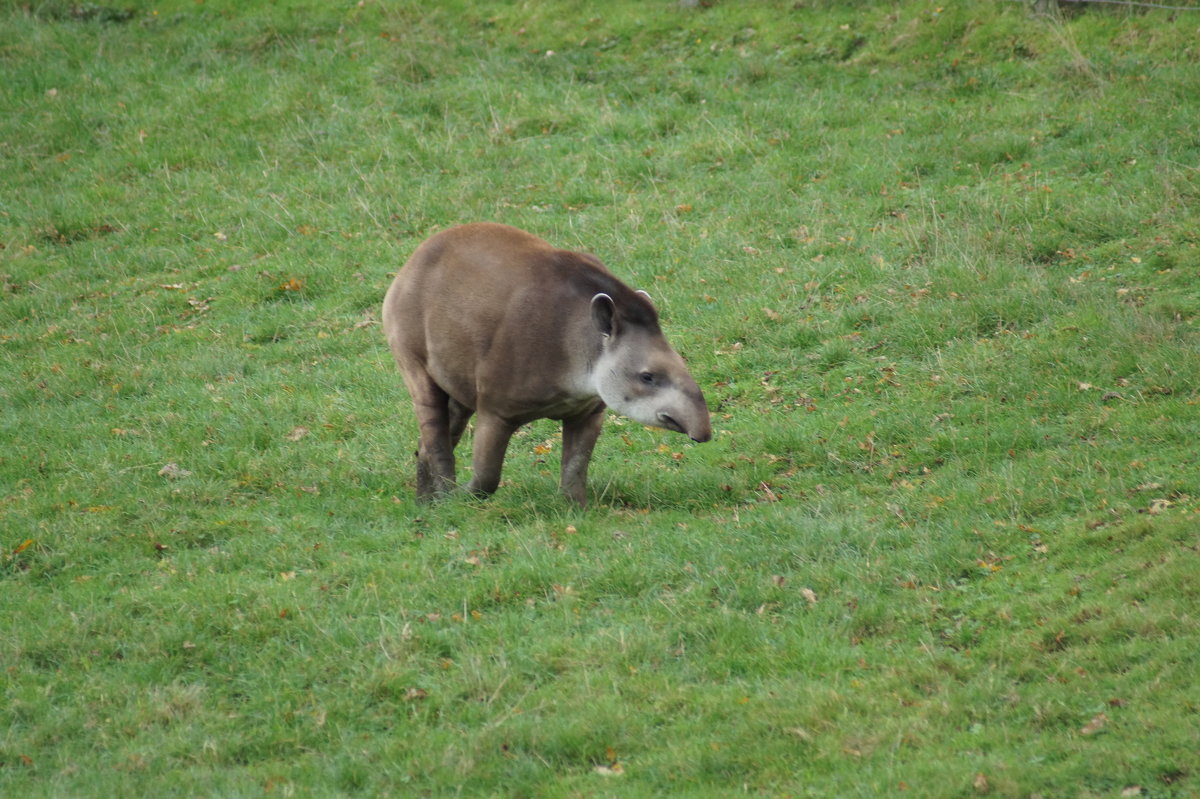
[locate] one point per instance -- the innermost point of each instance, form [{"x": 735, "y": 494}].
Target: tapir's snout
[{"x": 698, "y": 428}]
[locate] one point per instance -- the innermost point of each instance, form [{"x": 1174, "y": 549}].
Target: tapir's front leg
[
  {"x": 579, "y": 439},
  {"x": 491, "y": 440}
]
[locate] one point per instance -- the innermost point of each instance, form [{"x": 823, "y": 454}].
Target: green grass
[{"x": 935, "y": 269}]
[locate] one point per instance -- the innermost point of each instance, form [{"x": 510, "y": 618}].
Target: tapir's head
[{"x": 639, "y": 375}]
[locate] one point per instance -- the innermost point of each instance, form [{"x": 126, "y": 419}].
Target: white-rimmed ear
[
  {"x": 604, "y": 314},
  {"x": 647, "y": 296}
]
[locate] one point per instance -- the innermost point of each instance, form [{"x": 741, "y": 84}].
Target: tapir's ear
[
  {"x": 604, "y": 313},
  {"x": 649, "y": 299}
]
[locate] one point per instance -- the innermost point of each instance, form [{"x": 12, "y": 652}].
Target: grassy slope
[{"x": 935, "y": 269}]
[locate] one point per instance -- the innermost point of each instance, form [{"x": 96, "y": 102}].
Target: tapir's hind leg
[
  {"x": 435, "y": 453},
  {"x": 459, "y": 416}
]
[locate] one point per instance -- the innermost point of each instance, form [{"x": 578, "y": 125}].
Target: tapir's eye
[{"x": 647, "y": 378}]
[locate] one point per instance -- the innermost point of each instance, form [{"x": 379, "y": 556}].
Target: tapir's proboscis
[{"x": 489, "y": 320}]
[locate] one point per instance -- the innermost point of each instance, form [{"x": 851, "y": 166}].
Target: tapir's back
[
  {"x": 459, "y": 282},
  {"x": 462, "y": 283},
  {"x": 481, "y": 301}
]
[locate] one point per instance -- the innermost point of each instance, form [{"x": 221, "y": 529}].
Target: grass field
[{"x": 936, "y": 269}]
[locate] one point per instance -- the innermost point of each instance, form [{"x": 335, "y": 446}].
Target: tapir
[{"x": 489, "y": 320}]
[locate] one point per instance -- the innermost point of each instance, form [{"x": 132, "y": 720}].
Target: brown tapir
[{"x": 491, "y": 320}]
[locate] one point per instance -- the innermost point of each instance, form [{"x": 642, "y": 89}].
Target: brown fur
[{"x": 490, "y": 320}]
